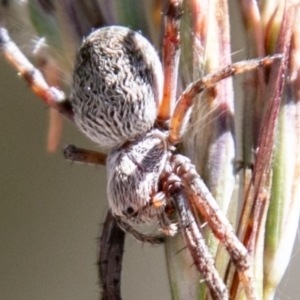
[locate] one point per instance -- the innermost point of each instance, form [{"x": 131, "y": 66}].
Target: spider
[{"x": 124, "y": 99}]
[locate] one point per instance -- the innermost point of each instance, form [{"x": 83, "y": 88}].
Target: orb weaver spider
[{"x": 141, "y": 124}]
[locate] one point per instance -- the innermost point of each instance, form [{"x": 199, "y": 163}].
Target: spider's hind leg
[
  {"x": 185, "y": 101},
  {"x": 170, "y": 58},
  {"x": 52, "y": 96}
]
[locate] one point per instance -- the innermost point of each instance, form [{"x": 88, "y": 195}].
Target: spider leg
[
  {"x": 52, "y": 96},
  {"x": 185, "y": 101},
  {"x": 208, "y": 208},
  {"x": 196, "y": 243},
  {"x": 170, "y": 57},
  {"x": 73, "y": 153},
  {"x": 151, "y": 239},
  {"x": 111, "y": 251},
  {"x": 112, "y": 238}
]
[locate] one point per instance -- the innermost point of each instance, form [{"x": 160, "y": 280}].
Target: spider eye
[{"x": 130, "y": 211}]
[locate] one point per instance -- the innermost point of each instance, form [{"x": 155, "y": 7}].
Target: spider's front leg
[
  {"x": 85, "y": 156},
  {"x": 112, "y": 239},
  {"x": 110, "y": 260},
  {"x": 200, "y": 200},
  {"x": 150, "y": 239},
  {"x": 195, "y": 241}
]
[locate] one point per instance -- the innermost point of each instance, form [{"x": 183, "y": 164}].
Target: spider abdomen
[
  {"x": 133, "y": 177},
  {"x": 117, "y": 85}
]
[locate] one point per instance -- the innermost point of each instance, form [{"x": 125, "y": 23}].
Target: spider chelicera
[{"x": 124, "y": 100}]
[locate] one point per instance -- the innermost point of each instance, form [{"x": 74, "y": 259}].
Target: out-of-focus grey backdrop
[{"x": 51, "y": 211}]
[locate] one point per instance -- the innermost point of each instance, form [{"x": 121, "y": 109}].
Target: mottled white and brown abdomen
[{"x": 117, "y": 86}]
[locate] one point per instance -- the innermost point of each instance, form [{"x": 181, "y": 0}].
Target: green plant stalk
[
  {"x": 209, "y": 141},
  {"x": 283, "y": 215}
]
